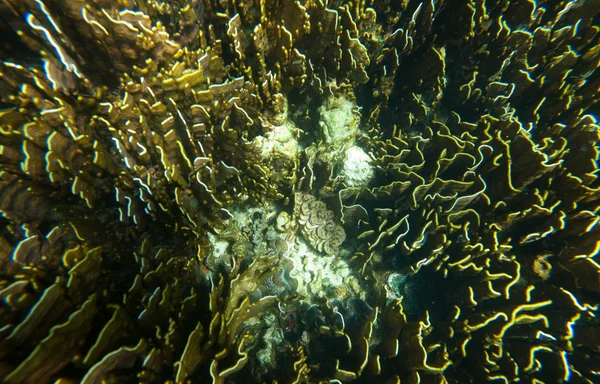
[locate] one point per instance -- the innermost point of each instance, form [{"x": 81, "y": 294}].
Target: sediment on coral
[{"x": 299, "y": 191}]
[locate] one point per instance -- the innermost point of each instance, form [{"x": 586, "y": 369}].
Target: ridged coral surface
[{"x": 299, "y": 191}]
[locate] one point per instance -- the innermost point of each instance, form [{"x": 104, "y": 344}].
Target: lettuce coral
[{"x": 299, "y": 191}]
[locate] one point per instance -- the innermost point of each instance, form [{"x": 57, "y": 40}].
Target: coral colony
[{"x": 299, "y": 191}]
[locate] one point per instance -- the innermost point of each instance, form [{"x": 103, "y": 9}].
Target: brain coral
[{"x": 161, "y": 161}]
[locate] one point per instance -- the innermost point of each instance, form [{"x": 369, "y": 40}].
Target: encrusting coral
[{"x": 299, "y": 191}]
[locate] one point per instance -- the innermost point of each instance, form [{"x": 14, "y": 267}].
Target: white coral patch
[
  {"x": 282, "y": 138},
  {"x": 338, "y": 121},
  {"x": 356, "y": 170},
  {"x": 219, "y": 251},
  {"x": 319, "y": 276}
]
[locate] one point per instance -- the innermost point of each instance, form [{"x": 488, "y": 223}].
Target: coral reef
[{"x": 299, "y": 191}]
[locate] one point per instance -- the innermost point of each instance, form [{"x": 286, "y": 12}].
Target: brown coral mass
[
  {"x": 130, "y": 139},
  {"x": 317, "y": 225}
]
